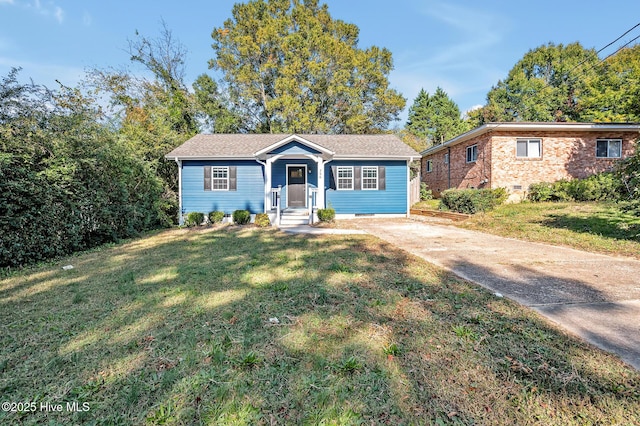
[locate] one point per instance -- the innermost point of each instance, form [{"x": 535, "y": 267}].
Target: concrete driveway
[{"x": 594, "y": 296}]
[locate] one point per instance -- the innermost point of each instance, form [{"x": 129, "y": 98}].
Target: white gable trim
[{"x": 293, "y": 138}]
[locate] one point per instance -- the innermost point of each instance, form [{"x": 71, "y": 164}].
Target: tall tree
[
  {"x": 614, "y": 93},
  {"x": 290, "y": 67},
  {"x": 435, "y": 118},
  {"x": 547, "y": 84},
  {"x": 418, "y": 122},
  {"x": 213, "y": 109},
  {"x": 154, "y": 112}
]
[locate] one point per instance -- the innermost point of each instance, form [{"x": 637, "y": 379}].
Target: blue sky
[{"x": 463, "y": 46}]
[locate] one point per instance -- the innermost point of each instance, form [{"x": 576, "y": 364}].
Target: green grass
[
  {"x": 427, "y": 204},
  {"x": 177, "y": 328},
  {"x": 596, "y": 227}
]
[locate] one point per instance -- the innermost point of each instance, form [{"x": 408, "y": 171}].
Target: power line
[
  {"x": 607, "y": 57},
  {"x": 627, "y": 32}
]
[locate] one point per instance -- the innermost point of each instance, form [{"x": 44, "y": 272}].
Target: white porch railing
[
  {"x": 313, "y": 202},
  {"x": 275, "y": 202}
]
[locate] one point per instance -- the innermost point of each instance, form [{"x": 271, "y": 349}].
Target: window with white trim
[
  {"x": 345, "y": 177},
  {"x": 446, "y": 158},
  {"x": 429, "y": 166},
  {"x": 370, "y": 177},
  {"x": 528, "y": 148},
  {"x": 472, "y": 153},
  {"x": 220, "y": 178},
  {"x": 609, "y": 148}
]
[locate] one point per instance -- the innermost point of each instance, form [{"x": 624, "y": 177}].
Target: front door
[{"x": 296, "y": 186}]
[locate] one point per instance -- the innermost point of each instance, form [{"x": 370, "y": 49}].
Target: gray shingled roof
[{"x": 245, "y": 145}]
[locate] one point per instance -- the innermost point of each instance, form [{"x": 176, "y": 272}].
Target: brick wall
[
  {"x": 463, "y": 174},
  {"x": 565, "y": 155}
]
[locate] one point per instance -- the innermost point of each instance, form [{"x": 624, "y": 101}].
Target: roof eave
[{"x": 485, "y": 128}]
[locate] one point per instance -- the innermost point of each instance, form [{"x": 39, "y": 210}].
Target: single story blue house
[{"x": 289, "y": 177}]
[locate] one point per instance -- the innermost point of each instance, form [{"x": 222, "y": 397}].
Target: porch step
[{"x": 294, "y": 217}]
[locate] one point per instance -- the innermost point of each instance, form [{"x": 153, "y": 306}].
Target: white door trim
[{"x": 306, "y": 182}]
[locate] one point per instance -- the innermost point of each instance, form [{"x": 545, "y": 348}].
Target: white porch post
[
  {"x": 267, "y": 185},
  {"x": 320, "y": 193}
]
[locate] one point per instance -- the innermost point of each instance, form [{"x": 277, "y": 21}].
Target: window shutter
[
  {"x": 357, "y": 177},
  {"x": 334, "y": 178},
  {"x": 233, "y": 178},
  {"x": 382, "y": 180},
  {"x": 207, "y": 178}
]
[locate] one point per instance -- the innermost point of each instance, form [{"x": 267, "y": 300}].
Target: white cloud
[
  {"x": 59, "y": 14},
  {"x": 50, "y": 9},
  {"x": 87, "y": 20}
]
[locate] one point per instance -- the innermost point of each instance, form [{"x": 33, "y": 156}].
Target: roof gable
[{"x": 295, "y": 145}]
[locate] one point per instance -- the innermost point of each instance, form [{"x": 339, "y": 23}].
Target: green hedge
[
  {"x": 262, "y": 220},
  {"x": 241, "y": 217},
  {"x": 216, "y": 216},
  {"x": 326, "y": 215},
  {"x": 194, "y": 219},
  {"x": 599, "y": 187},
  {"x": 471, "y": 201}
]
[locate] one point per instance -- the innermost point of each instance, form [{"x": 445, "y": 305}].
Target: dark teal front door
[{"x": 296, "y": 186}]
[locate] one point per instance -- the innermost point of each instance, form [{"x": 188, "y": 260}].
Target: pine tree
[{"x": 436, "y": 118}]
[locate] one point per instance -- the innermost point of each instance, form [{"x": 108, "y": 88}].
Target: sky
[{"x": 462, "y": 46}]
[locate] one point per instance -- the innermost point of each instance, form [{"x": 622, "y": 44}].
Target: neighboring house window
[
  {"x": 446, "y": 158},
  {"x": 345, "y": 177},
  {"x": 472, "y": 153},
  {"x": 528, "y": 148},
  {"x": 609, "y": 148},
  {"x": 429, "y": 166},
  {"x": 369, "y": 177},
  {"x": 219, "y": 178}
]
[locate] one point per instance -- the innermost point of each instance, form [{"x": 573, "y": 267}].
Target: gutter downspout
[
  {"x": 449, "y": 168},
  {"x": 180, "y": 218}
]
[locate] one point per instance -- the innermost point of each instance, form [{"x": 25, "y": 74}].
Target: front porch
[{"x": 292, "y": 216}]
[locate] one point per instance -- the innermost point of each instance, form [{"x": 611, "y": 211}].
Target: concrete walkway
[{"x": 594, "y": 296}]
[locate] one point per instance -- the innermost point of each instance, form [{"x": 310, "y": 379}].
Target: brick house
[{"x": 515, "y": 155}]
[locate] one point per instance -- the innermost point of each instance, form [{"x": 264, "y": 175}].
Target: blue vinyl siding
[
  {"x": 279, "y": 175},
  {"x": 248, "y": 196},
  {"x": 392, "y": 200}
]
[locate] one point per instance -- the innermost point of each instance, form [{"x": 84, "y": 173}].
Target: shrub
[
  {"x": 216, "y": 216},
  {"x": 194, "y": 219},
  {"x": 603, "y": 186},
  {"x": 262, "y": 220},
  {"x": 425, "y": 192},
  {"x": 326, "y": 215},
  {"x": 471, "y": 201},
  {"x": 241, "y": 217},
  {"x": 539, "y": 192},
  {"x": 500, "y": 195}
]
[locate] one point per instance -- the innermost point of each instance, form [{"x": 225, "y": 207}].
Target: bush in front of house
[
  {"x": 326, "y": 215},
  {"x": 599, "y": 187},
  {"x": 194, "y": 219},
  {"x": 262, "y": 220},
  {"x": 471, "y": 201},
  {"x": 425, "y": 192},
  {"x": 241, "y": 217},
  {"x": 216, "y": 216}
]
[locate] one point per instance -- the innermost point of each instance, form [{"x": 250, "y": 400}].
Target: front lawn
[
  {"x": 596, "y": 227},
  {"x": 249, "y": 326}
]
